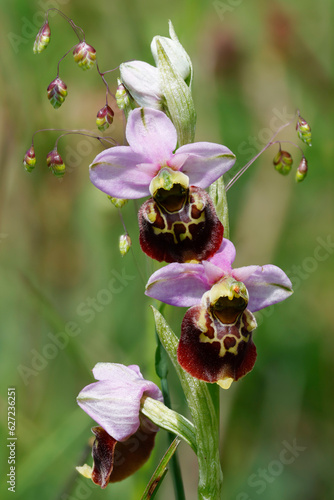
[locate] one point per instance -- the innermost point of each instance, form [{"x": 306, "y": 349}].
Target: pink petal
[
  {"x": 224, "y": 258},
  {"x": 213, "y": 273},
  {"x": 118, "y": 172},
  {"x": 179, "y": 285},
  {"x": 151, "y": 133},
  {"x": 206, "y": 162},
  {"x": 114, "y": 401},
  {"x": 266, "y": 285}
]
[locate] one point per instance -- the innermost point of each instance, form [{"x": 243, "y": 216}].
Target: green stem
[
  {"x": 204, "y": 417},
  {"x": 161, "y": 367}
]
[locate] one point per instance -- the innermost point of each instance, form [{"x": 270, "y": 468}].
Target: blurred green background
[{"x": 255, "y": 63}]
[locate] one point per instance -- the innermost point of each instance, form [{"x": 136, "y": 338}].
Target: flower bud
[
  {"x": 84, "y": 55},
  {"x": 304, "y": 130},
  {"x": 104, "y": 118},
  {"x": 301, "y": 170},
  {"x": 42, "y": 39},
  {"x": 283, "y": 162},
  {"x": 124, "y": 244},
  {"x": 117, "y": 202},
  {"x": 57, "y": 91},
  {"x": 29, "y": 160},
  {"x": 176, "y": 54},
  {"x": 55, "y": 163},
  {"x": 142, "y": 83}
]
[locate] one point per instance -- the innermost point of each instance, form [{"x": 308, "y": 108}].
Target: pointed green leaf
[
  {"x": 203, "y": 414},
  {"x": 160, "y": 472}
]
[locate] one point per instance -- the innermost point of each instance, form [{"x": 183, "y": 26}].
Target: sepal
[
  {"x": 177, "y": 55},
  {"x": 179, "y": 102}
]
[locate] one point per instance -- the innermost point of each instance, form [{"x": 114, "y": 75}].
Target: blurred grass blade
[{"x": 160, "y": 472}]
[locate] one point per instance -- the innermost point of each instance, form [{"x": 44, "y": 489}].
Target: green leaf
[
  {"x": 203, "y": 414},
  {"x": 160, "y": 472}
]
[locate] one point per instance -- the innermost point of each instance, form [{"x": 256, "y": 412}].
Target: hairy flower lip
[
  {"x": 181, "y": 228},
  {"x": 214, "y": 351}
]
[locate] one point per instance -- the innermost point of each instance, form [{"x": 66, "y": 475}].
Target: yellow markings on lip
[
  {"x": 201, "y": 323},
  {"x": 198, "y": 202},
  {"x": 233, "y": 350},
  {"x": 186, "y": 225},
  {"x": 151, "y": 214}
]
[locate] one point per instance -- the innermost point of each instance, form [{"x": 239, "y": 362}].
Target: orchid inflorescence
[{"x": 178, "y": 224}]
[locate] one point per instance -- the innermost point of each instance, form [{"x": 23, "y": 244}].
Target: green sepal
[
  {"x": 178, "y": 99},
  {"x": 174, "y": 37}
]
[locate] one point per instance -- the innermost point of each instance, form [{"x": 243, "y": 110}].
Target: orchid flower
[
  {"x": 143, "y": 81},
  {"x": 216, "y": 333},
  {"x": 124, "y": 438},
  {"x": 179, "y": 222}
]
